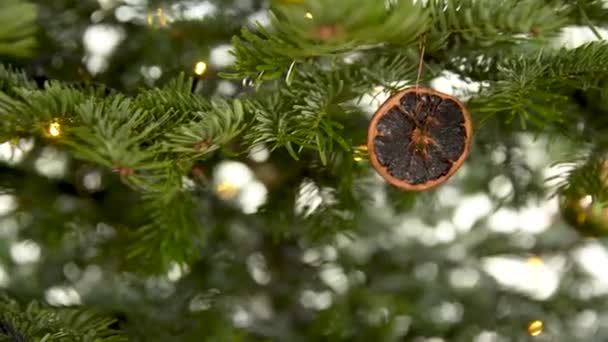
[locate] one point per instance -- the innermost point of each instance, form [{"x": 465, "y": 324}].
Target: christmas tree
[{"x": 303, "y": 170}]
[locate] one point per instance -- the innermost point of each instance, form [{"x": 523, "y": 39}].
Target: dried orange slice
[{"x": 418, "y": 138}]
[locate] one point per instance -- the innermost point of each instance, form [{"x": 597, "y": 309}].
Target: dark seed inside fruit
[{"x": 419, "y": 140}]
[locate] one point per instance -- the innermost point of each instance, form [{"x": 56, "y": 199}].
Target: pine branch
[
  {"x": 126, "y": 135},
  {"x": 173, "y": 233},
  {"x": 17, "y": 28},
  {"x": 586, "y": 176},
  {"x": 303, "y": 116},
  {"x": 174, "y": 96},
  {"x": 12, "y": 78},
  {"x": 489, "y": 22},
  {"x": 388, "y": 69},
  {"x": 323, "y": 28},
  {"x": 114, "y": 134},
  {"x": 577, "y": 65},
  {"x": 31, "y": 112},
  {"x": 37, "y": 322},
  {"x": 207, "y": 131},
  {"x": 294, "y": 35},
  {"x": 10, "y": 332},
  {"x": 319, "y": 99},
  {"x": 134, "y": 138},
  {"x": 588, "y": 12},
  {"x": 535, "y": 89}
]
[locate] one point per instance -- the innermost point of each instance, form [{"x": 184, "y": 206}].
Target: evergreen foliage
[
  {"x": 37, "y": 322},
  {"x": 536, "y": 89},
  {"x": 17, "y": 28}
]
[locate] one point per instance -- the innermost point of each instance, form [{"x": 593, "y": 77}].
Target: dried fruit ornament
[{"x": 418, "y": 138}]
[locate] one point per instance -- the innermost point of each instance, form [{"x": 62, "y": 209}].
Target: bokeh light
[{"x": 535, "y": 328}]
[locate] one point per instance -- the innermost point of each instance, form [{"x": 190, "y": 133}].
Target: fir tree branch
[
  {"x": 134, "y": 138},
  {"x": 208, "y": 131},
  {"x": 9, "y": 332},
  {"x": 33, "y": 110},
  {"x": 11, "y": 78},
  {"x": 323, "y": 28},
  {"x": 175, "y": 96},
  {"x": 172, "y": 234},
  {"x": 304, "y": 115},
  {"x": 589, "y": 23},
  {"x": 266, "y": 53},
  {"x": 588, "y": 12},
  {"x": 37, "y": 322},
  {"x": 113, "y": 133},
  {"x": 586, "y": 176},
  {"x": 17, "y": 28},
  {"x": 489, "y": 22},
  {"x": 535, "y": 89},
  {"x": 311, "y": 111}
]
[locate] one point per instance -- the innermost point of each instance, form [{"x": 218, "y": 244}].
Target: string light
[
  {"x": 226, "y": 189},
  {"x": 536, "y": 264},
  {"x": 360, "y": 153},
  {"x": 535, "y": 261},
  {"x": 158, "y": 19},
  {"x": 581, "y": 217},
  {"x": 54, "y": 129},
  {"x": 586, "y": 201},
  {"x": 535, "y": 328},
  {"x": 200, "y": 68},
  {"x": 308, "y": 15}
]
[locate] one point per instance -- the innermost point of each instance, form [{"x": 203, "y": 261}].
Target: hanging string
[{"x": 421, "y": 46}]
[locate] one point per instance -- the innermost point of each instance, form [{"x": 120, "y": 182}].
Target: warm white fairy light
[
  {"x": 535, "y": 261},
  {"x": 535, "y": 328},
  {"x": 227, "y": 189},
  {"x": 200, "y": 68},
  {"x": 55, "y": 129},
  {"x": 586, "y": 201},
  {"x": 158, "y": 19},
  {"x": 360, "y": 153},
  {"x": 308, "y": 15}
]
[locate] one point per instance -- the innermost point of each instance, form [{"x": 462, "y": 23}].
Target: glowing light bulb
[
  {"x": 159, "y": 19},
  {"x": 535, "y": 328},
  {"x": 581, "y": 218},
  {"x": 360, "y": 153},
  {"x": 226, "y": 189},
  {"x": 535, "y": 261},
  {"x": 55, "y": 129},
  {"x": 200, "y": 68},
  {"x": 586, "y": 201},
  {"x": 308, "y": 15}
]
